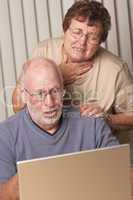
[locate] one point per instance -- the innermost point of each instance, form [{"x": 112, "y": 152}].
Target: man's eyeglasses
[
  {"x": 41, "y": 95},
  {"x": 77, "y": 34}
]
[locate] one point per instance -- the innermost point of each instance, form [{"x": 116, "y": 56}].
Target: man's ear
[{"x": 23, "y": 96}]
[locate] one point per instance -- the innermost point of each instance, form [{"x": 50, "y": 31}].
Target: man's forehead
[
  {"x": 40, "y": 80},
  {"x": 42, "y": 85},
  {"x": 39, "y": 73},
  {"x": 39, "y": 67}
]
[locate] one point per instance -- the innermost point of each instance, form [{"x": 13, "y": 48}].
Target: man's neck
[{"x": 51, "y": 129}]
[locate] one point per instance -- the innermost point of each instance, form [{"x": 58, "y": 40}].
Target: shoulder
[
  {"x": 10, "y": 126},
  {"x": 12, "y": 119},
  {"x": 110, "y": 61},
  {"x": 96, "y": 131},
  {"x": 50, "y": 48},
  {"x": 112, "y": 68},
  {"x": 88, "y": 123},
  {"x": 50, "y": 43}
]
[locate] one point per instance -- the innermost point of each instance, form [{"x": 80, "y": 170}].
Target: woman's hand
[
  {"x": 91, "y": 109},
  {"x": 73, "y": 71}
]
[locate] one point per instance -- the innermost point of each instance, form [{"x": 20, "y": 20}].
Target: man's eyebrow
[
  {"x": 45, "y": 89},
  {"x": 38, "y": 91}
]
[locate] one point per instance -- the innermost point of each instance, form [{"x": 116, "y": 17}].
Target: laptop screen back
[{"x": 101, "y": 174}]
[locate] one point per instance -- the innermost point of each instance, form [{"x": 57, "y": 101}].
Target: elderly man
[
  {"x": 91, "y": 73},
  {"x": 41, "y": 129}
]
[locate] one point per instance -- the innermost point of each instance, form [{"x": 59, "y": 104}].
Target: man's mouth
[{"x": 51, "y": 113}]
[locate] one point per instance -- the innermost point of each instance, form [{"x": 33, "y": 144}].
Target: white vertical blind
[
  {"x": 26, "y": 22},
  {"x": 7, "y": 53},
  {"x": 42, "y": 19},
  {"x": 55, "y": 17},
  {"x": 124, "y": 30},
  {"x": 3, "y": 113},
  {"x": 18, "y": 35},
  {"x": 31, "y": 29},
  {"x": 112, "y": 42}
]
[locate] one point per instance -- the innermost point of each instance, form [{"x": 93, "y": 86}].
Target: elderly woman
[{"x": 96, "y": 80}]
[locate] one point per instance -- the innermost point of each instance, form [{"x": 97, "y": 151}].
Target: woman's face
[{"x": 82, "y": 41}]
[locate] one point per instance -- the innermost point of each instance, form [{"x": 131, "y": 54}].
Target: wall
[{"x": 26, "y": 22}]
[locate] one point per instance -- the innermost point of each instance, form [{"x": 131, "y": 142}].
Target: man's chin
[
  {"x": 50, "y": 121},
  {"x": 52, "y": 118}
]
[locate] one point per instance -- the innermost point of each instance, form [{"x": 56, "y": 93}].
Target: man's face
[
  {"x": 44, "y": 97},
  {"x": 82, "y": 41}
]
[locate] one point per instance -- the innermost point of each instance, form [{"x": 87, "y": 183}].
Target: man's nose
[{"x": 49, "y": 100}]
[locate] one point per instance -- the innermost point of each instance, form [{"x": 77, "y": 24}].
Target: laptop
[{"x": 100, "y": 174}]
